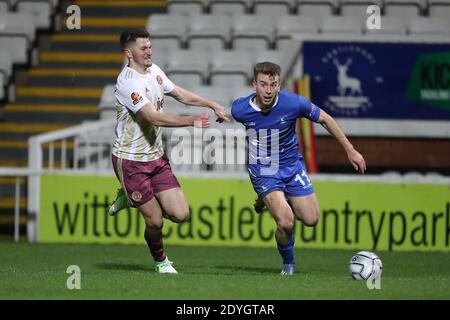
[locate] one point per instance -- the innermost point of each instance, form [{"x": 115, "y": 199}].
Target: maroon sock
[{"x": 153, "y": 236}]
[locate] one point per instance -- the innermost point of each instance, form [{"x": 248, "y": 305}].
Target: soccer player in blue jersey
[{"x": 275, "y": 165}]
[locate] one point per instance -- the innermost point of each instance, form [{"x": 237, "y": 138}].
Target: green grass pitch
[{"x": 126, "y": 272}]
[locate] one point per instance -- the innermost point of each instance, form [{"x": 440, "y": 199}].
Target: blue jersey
[{"x": 271, "y": 136}]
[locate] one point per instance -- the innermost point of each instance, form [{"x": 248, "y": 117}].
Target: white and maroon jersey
[{"x": 137, "y": 139}]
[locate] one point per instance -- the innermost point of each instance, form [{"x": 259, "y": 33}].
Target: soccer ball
[{"x": 365, "y": 264}]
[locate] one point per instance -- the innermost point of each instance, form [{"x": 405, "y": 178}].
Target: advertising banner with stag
[{"x": 409, "y": 81}]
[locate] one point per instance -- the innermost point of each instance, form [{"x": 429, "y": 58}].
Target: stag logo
[
  {"x": 352, "y": 66},
  {"x": 344, "y": 81}
]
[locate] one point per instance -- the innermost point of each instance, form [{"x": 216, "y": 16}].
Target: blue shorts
[{"x": 293, "y": 180}]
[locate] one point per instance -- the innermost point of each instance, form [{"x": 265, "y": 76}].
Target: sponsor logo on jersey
[
  {"x": 136, "y": 98},
  {"x": 159, "y": 80}
]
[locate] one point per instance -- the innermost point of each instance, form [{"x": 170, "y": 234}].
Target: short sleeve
[
  {"x": 166, "y": 82},
  {"x": 131, "y": 94},
  {"x": 234, "y": 111},
  {"x": 308, "y": 110}
]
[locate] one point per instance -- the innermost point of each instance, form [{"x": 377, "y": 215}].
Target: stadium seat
[
  {"x": 160, "y": 54},
  {"x": 4, "y": 6},
  {"x": 5, "y": 64},
  {"x": 252, "y": 32},
  {"x": 358, "y": 8},
  {"x": 281, "y": 57},
  {"x": 216, "y": 93},
  {"x": 389, "y": 25},
  {"x": 17, "y": 35},
  {"x": 188, "y": 66},
  {"x": 231, "y": 68},
  {"x": 2, "y": 88},
  {"x": 439, "y": 8},
  {"x": 174, "y": 107},
  {"x": 429, "y": 26},
  {"x": 287, "y": 27},
  {"x": 316, "y": 8},
  {"x": 241, "y": 91},
  {"x": 409, "y": 9},
  {"x": 274, "y": 8},
  {"x": 185, "y": 7},
  {"x": 5, "y": 71},
  {"x": 107, "y": 104},
  {"x": 341, "y": 25},
  {"x": 230, "y": 7},
  {"x": 209, "y": 31},
  {"x": 42, "y": 10},
  {"x": 169, "y": 29}
]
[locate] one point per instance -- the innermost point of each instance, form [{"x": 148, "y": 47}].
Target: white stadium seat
[
  {"x": 17, "y": 35},
  {"x": 42, "y": 11},
  {"x": 281, "y": 57},
  {"x": 230, "y": 7},
  {"x": 188, "y": 66},
  {"x": 5, "y": 71},
  {"x": 2, "y": 88},
  {"x": 358, "y": 8},
  {"x": 209, "y": 32},
  {"x": 185, "y": 7},
  {"x": 160, "y": 55},
  {"x": 316, "y": 8},
  {"x": 4, "y": 6},
  {"x": 341, "y": 25},
  {"x": 289, "y": 26},
  {"x": 107, "y": 102},
  {"x": 429, "y": 26},
  {"x": 439, "y": 8},
  {"x": 252, "y": 32},
  {"x": 221, "y": 94},
  {"x": 390, "y": 25},
  {"x": 409, "y": 9},
  {"x": 231, "y": 68},
  {"x": 242, "y": 91},
  {"x": 169, "y": 29},
  {"x": 6, "y": 64},
  {"x": 274, "y": 8}
]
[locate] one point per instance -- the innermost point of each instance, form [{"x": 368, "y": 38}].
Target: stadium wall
[
  {"x": 363, "y": 213},
  {"x": 386, "y": 154}
]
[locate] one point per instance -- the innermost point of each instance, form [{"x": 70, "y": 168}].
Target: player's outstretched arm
[
  {"x": 189, "y": 98},
  {"x": 355, "y": 158},
  {"x": 149, "y": 113}
]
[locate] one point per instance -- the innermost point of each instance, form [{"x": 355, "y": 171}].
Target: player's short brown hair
[
  {"x": 130, "y": 36},
  {"x": 266, "y": 67}
]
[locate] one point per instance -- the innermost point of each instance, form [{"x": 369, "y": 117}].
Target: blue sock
[{"x": 287, "y": 251}]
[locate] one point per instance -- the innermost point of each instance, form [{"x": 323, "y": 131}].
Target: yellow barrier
[{"x": 357, "y": 215}]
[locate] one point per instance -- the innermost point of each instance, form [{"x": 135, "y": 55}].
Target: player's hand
[
  {"x": 201, "y": 120},
  {"x": 357, "y": 161},
  {"x": 220, "y": 113}
]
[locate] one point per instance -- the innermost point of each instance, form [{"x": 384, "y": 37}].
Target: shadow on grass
[
  {"x": 229, "y": 270},
  {"x": 248, "y": 269},
  {"x": 123, "y": 266}
]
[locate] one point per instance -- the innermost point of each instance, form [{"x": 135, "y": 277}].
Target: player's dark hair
[
  {"x": 130, "y": 36},
  {"x": 269, "y": 68}
]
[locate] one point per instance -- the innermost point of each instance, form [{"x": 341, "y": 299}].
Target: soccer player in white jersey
[{"x": 138, "y": 157}]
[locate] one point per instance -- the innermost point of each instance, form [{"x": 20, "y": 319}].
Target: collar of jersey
[
  {"x": 254, "y": 106},
  {"x": 142, "y": 75}
]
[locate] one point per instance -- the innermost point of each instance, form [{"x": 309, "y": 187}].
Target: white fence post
[{"x": 34, "y": 185}]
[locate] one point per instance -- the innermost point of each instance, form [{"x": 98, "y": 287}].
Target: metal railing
[
  {"x": 87, "y": 148},
  {"x": 18, "y": 173}
]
